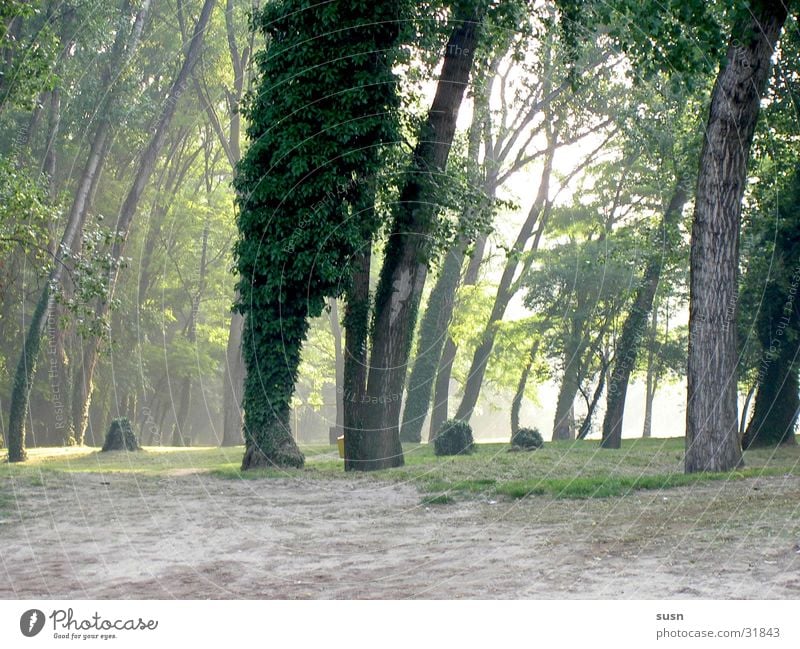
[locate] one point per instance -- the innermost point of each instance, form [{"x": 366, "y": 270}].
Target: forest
[
  {"x": 230, "y": 222},
  {"x": 297, "y": 293}
]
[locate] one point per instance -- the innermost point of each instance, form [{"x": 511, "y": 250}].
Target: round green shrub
[
  {"x": 453, "y": 438},
  {"x": 120, "y": 436},
  {"x": 528, "y": 439}
]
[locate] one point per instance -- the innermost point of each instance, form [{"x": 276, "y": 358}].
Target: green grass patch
[
  {"x": 609, "y": 486},
  {"x": 577, "y": 469},
  {"x": 438, "y": 499}
]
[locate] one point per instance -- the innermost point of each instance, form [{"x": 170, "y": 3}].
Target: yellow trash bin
[{"x": 340, "y": 444}]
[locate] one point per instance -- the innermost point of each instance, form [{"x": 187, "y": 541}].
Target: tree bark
[
  {"x": 636, "y": 322},
  {"x": 439, "y": 311},
  {"x": 338, "y": 351},
  {"x": 405, "y": 266},
  {"x": 712, "y": 441},
  {"x": 519, "y": 394},
  {"x": 777, "y": 404},
  {"x": 82, "y": 390},
  {"x": 441, "y": 394},
  {"x": 563, "y": 424},
  {"x": 232, "y": 383},
  {"x": 354, "y": 380},
  {"x": 652, "y": 379}
]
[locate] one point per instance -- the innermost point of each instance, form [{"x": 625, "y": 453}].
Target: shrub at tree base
[
  {"x": 526, "y": 439},
  {"x": 120, "y": 436},
  {"x": 453, "y": 438}
]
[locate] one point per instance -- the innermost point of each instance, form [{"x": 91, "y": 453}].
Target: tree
[
  {"x": 664, "y": 137},
  {"x": 322, "y": 113},
  {"x": 84, "y": 383},
  {"x": 124, "y": 46},
  {"x": 712, "y": 442},
  {"x": 776, "y": 280},
  {"x": 407, "y": 255}
]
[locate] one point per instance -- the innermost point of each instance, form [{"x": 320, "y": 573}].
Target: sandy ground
[{"x": 194, "y": 536}]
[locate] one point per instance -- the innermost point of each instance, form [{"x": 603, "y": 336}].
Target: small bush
[
  {"x": 453, "y": 438},
  {"x": 527, "y": 439},
  {"x": 120, "y": 436}
]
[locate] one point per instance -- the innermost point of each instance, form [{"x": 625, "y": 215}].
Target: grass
[{"x": 559, "y": 469}]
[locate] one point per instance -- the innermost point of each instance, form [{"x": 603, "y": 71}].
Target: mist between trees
[{"x": 277, "y": 223}]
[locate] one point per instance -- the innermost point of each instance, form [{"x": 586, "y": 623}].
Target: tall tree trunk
[
  {"x": 519, "y": 394},
  {"x": 636, "y": 322},
  {"x": 49, "y": 161},
  {"x": 405, "y": 266},
  {"x": 124, "y": 46},
  {"x": 777, "y": 402},
  {"x": 506, "y": 289},
  {"x": 563, "y": 424},
  {"x": 652, "y": 380},
  {"x": 338, "y": 351},
  {"x": 586, "y": 425},
  {"x": 712, "y": 441},
  {"x": 439, "y": 311},
  {"x": 82, "y": 390},
  {"x": 746, "y": 411},
  {"x": 233, "y": 383},
  {"x": 441, "y": 393},
  {"x": 432, "y": 337},
  {"x": 354, "y": 380}
]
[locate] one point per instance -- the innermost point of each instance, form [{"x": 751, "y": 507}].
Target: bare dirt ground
[{"x": 191, "y": 536}]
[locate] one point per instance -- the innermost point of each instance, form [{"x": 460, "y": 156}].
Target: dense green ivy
[{"x": 321, "y": 116}]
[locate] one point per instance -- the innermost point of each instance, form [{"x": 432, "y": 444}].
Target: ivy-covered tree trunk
[
  {"x": 440, "y": 410},
  {"x": 407, "y": 253},
  {"x": 712, "y": 441},
  {"x": 302, "y": 189},
  {"x": 432, "y": 337},
  {"x": 268, "y": 388},
  {"x": 635, "y": 325}
]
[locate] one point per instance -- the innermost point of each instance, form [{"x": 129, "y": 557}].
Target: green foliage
[
  {"x": 120, "y": 436},
  {"x": 682, "y": 37},
  {"x": 28, "y": 51},
  {"x": 90, "y": 268},
  {"x": 25, "y": 213},
  {"x": 321, "y": 115},
  {"x": 454, "y": 438},
  {"x": 528, "y": 439}
]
